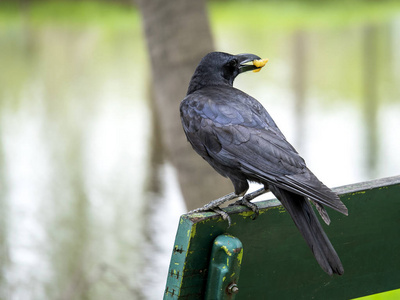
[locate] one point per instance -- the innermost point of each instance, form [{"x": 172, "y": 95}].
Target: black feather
[{"x": 306, "y": 221}]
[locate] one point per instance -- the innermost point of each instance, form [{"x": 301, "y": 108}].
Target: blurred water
[
  {"x": 74, "y": 143},
  {"x": 75, "y": 137}
]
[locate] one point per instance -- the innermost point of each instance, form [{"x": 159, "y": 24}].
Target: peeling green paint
[
  {"x": 240, "y": 256},
  {"x": 226, "y": 250},
  {"x": 249, "y": 213},
  {"x": 358, "y": 193},
  {"x": 246, "y": 214},
  {"x": 281, "y": 209},
  {"x": 193, "y": 232},
  {"x": 383, "y": 188}
]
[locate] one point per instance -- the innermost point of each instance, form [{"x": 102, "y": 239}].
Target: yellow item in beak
[{"x": 259, "y": 64}]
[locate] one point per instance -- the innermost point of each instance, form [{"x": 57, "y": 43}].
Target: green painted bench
[{"x": 267, "y": 258}]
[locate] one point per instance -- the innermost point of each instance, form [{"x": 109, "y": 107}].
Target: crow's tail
[{"x": 307, "y": 222}]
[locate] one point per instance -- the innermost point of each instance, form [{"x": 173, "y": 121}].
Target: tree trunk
[
  {"x": 371, "y": 98},
  {"x": 178, "y": 36}
]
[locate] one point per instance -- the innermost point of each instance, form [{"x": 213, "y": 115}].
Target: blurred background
[{"x": 94, "y": 166}]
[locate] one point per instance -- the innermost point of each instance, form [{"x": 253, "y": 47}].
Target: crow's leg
[
  {"x": 214, "y": 206},
  {"x": 245, "y": 201},
  {"x": 215, "y": 203},
  {"x": 223, "y": 214}
]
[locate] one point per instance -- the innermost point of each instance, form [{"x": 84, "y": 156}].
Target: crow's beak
[{"x": 250, "y": 62}]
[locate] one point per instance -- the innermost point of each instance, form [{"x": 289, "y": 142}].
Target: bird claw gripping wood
[
  {"x": 216, "y": 209},
  {"x": 214, "y": 206},
  {"x": 245, "y": 201}
]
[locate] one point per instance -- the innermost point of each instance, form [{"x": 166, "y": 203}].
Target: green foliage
[
  {"x": 79, "y": 13},
  {"x": 289, "y": 15},
  {"x": 333, "y": 34},
  {"x": 333, "y": 28},
  {"x": 274, "y": 14}
]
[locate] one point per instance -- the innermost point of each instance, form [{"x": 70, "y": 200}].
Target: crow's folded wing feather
[{"x": 242, "y": 135}]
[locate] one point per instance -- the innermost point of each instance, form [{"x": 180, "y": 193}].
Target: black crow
[{"x": 234, "y": 133}]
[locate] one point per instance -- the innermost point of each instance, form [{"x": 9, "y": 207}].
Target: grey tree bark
[
  {"x": 371, "y": 98},
  {"x": 178, "y": 35}
]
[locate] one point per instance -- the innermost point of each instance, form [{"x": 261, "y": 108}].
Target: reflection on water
[
  {"x": 74, "y": 137},
  {"x": 75, "y": 143},
  {"x": 333, "y": 113}
]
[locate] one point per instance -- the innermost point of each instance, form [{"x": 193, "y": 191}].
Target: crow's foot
[
  {"x": 214, "y": 206},
  {"x": 249, "y": 205},
  {"x": 223, "y": 214},
  {"x": 245, "y": 201}
]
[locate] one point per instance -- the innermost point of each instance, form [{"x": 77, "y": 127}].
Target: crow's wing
[{"x": 229, "y": 128}]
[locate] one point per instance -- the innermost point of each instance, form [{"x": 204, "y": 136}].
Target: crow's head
[{"x": 219, "y": 68}]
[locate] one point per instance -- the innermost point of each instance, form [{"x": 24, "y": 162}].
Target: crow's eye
[
  {"x": 230, "y": 70},
  {"x": 233, "y": 63}
]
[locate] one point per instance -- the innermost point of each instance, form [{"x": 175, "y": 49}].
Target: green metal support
[{"x": 224, "y": 268}]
